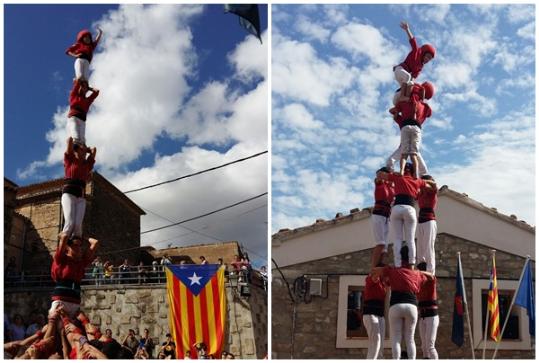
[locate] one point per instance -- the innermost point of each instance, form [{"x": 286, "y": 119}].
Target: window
[
  {"x": 516, "y": 336},
  {"x": 350, "y": 330}
]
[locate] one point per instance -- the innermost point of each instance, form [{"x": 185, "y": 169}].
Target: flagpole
[
  {"x": 511, "y": 306},
  {"x": 492, "y": 252},
  {"x": 466, "y": 306}
]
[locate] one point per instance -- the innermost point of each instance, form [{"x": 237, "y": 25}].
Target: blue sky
[
  {"x": 183, "y": 88},
  {"x": 332, "y": 85}
]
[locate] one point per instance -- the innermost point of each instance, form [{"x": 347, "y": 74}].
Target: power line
[
  {"x": 197, "y": 173},
  {"x": 185, "y": 234},
  {"x": 205, "y": 214}
]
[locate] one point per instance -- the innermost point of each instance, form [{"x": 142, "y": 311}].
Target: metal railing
[{"x": 135, "y": 276}]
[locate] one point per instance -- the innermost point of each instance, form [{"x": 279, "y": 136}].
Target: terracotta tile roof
[{"x": 356, "y": 214}]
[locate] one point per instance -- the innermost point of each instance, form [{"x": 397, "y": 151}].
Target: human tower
[{"x": 413, "y": 291}]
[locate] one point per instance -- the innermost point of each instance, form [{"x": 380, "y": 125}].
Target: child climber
[
  {"x": 407, "y": 71},
  {"x": 83, "y": 50},
  {"x": 79, "y": 105}
]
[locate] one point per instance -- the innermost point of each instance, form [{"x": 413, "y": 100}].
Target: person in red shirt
[
  {"x": 383, "y": 198},
  {"x": 403, "y": 220},
  {"x": 407, "y": 71},
  {"x": 426, "y": 226},
  {"x": 374, "y": 297},
  {"x": 83, "y": 51},
  {"x": 67, "y": 271},
  {"x": 428, "y": 315},
  {"x": 410, "y": 113},
  {"x": 77, "y": 171},
  {"x": 405, "y": 283},
  {"x": 79, "y": 105},
  {"x": 410, "y": 116}
]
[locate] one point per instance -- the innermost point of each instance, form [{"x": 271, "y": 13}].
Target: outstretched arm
[
  {"x": 99, "y": 35},
  {"x": 69, "y": 147},
  {"x": 427, "y": 274},
  {"x": 430, "y": 184},
  {"x": 62, "y": 245},
  {"x": 404, "y": 25}
]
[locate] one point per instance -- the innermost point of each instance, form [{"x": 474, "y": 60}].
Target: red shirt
[
  {"x": 79, "y": 104},
  {"x": 427, "y": 200},
  {"x": 383, "y": 197},
  {"x": 75, "y": 168},
  {"x": 404, "y": 279},
  {"x": 414, "y": 60},
  {"x": 410, "y": 110},
  {"x": 427, "y": 291},
  {"x": 374, "y": 290},
  {"x": 67, "y": 268},
  {"x": 406, "y": 184},
  {"x": 86, "y": 51}
]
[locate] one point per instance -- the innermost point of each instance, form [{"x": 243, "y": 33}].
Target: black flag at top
[{"x": 249, "y": 17}]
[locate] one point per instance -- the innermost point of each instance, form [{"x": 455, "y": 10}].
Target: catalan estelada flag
[
  {"x": 493, "y": 307},
  {"x": 197, "y": 307}
]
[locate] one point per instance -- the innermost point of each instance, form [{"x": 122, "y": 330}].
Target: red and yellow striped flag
[
  {"x": 493, "y": 307},
  {"x": 197, "y": 307}
]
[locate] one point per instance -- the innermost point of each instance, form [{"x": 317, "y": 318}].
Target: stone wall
[
  {"x": 140, "y": 307},
  {"x": 109, "y": 217},
  {"x": 113, "y": 222},
  {"x": 41, "y": 237},
  {"x": 316, "y": 323}
]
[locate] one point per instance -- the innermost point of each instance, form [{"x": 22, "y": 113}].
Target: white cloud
[
  {"x": 507, "y": 86},
  {"x": 440, "y": 123},
  {"x": 510, "y": 60},
  {"x": 152, "y": 97},
  {"x": 501, "y": 168},
  {"x": 527, "y": 31},
  {"x": 362, "y": 40},
  {"x": 435, "y": 13},
  {"x": 519, "y": 13},
  {"x": 299, "y": 73},
  {"x": 242, "y": 58},
  {"x": 312, "y": 30},
  {"x": 297, "y": 116},
  {"x": 188, "y": 198}
]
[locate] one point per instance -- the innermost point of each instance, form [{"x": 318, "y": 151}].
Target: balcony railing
[{"x": 136, "y": 276}]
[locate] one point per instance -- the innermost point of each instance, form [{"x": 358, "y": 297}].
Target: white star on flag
[{"x": 195, "y": 279}]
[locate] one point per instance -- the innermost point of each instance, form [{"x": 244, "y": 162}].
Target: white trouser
[
  {"x": 380, "y": 229},
  {"x": 402, "y": 76},
  {"x": 410, "y": 139},
  {"x": 73, "y": 208},
  {"x": 426, "y": 236},
  {"x": 396, "y": 156},
  {"x": 70, "y": 308},
  {"x": 428, "y": 328},
  {"x": 77, "y": 129},
  {"x": 375, "y": 326},
  {"x": 82, "y": 69},
  {"x": 402, "y": 321},
  {"x": 402, "y": 224}
]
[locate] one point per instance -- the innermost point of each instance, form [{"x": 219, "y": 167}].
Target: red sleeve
[
  {"x": 72, "y": 48},
  {"x": 68, "y": 158},
  {"x": 413, "y": 43},
  {"x": 420, "y": 183},
  {"x": 92, "y": 97},
  {"x": 91, "y": 162},
  {"x": 74, "y": 92},
  {"x": 428, "y": 111},
  {"x": 59, "y": 256}
]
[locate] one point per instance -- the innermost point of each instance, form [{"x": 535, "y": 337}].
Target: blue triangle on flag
[{"x": 194, "y": 277}]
